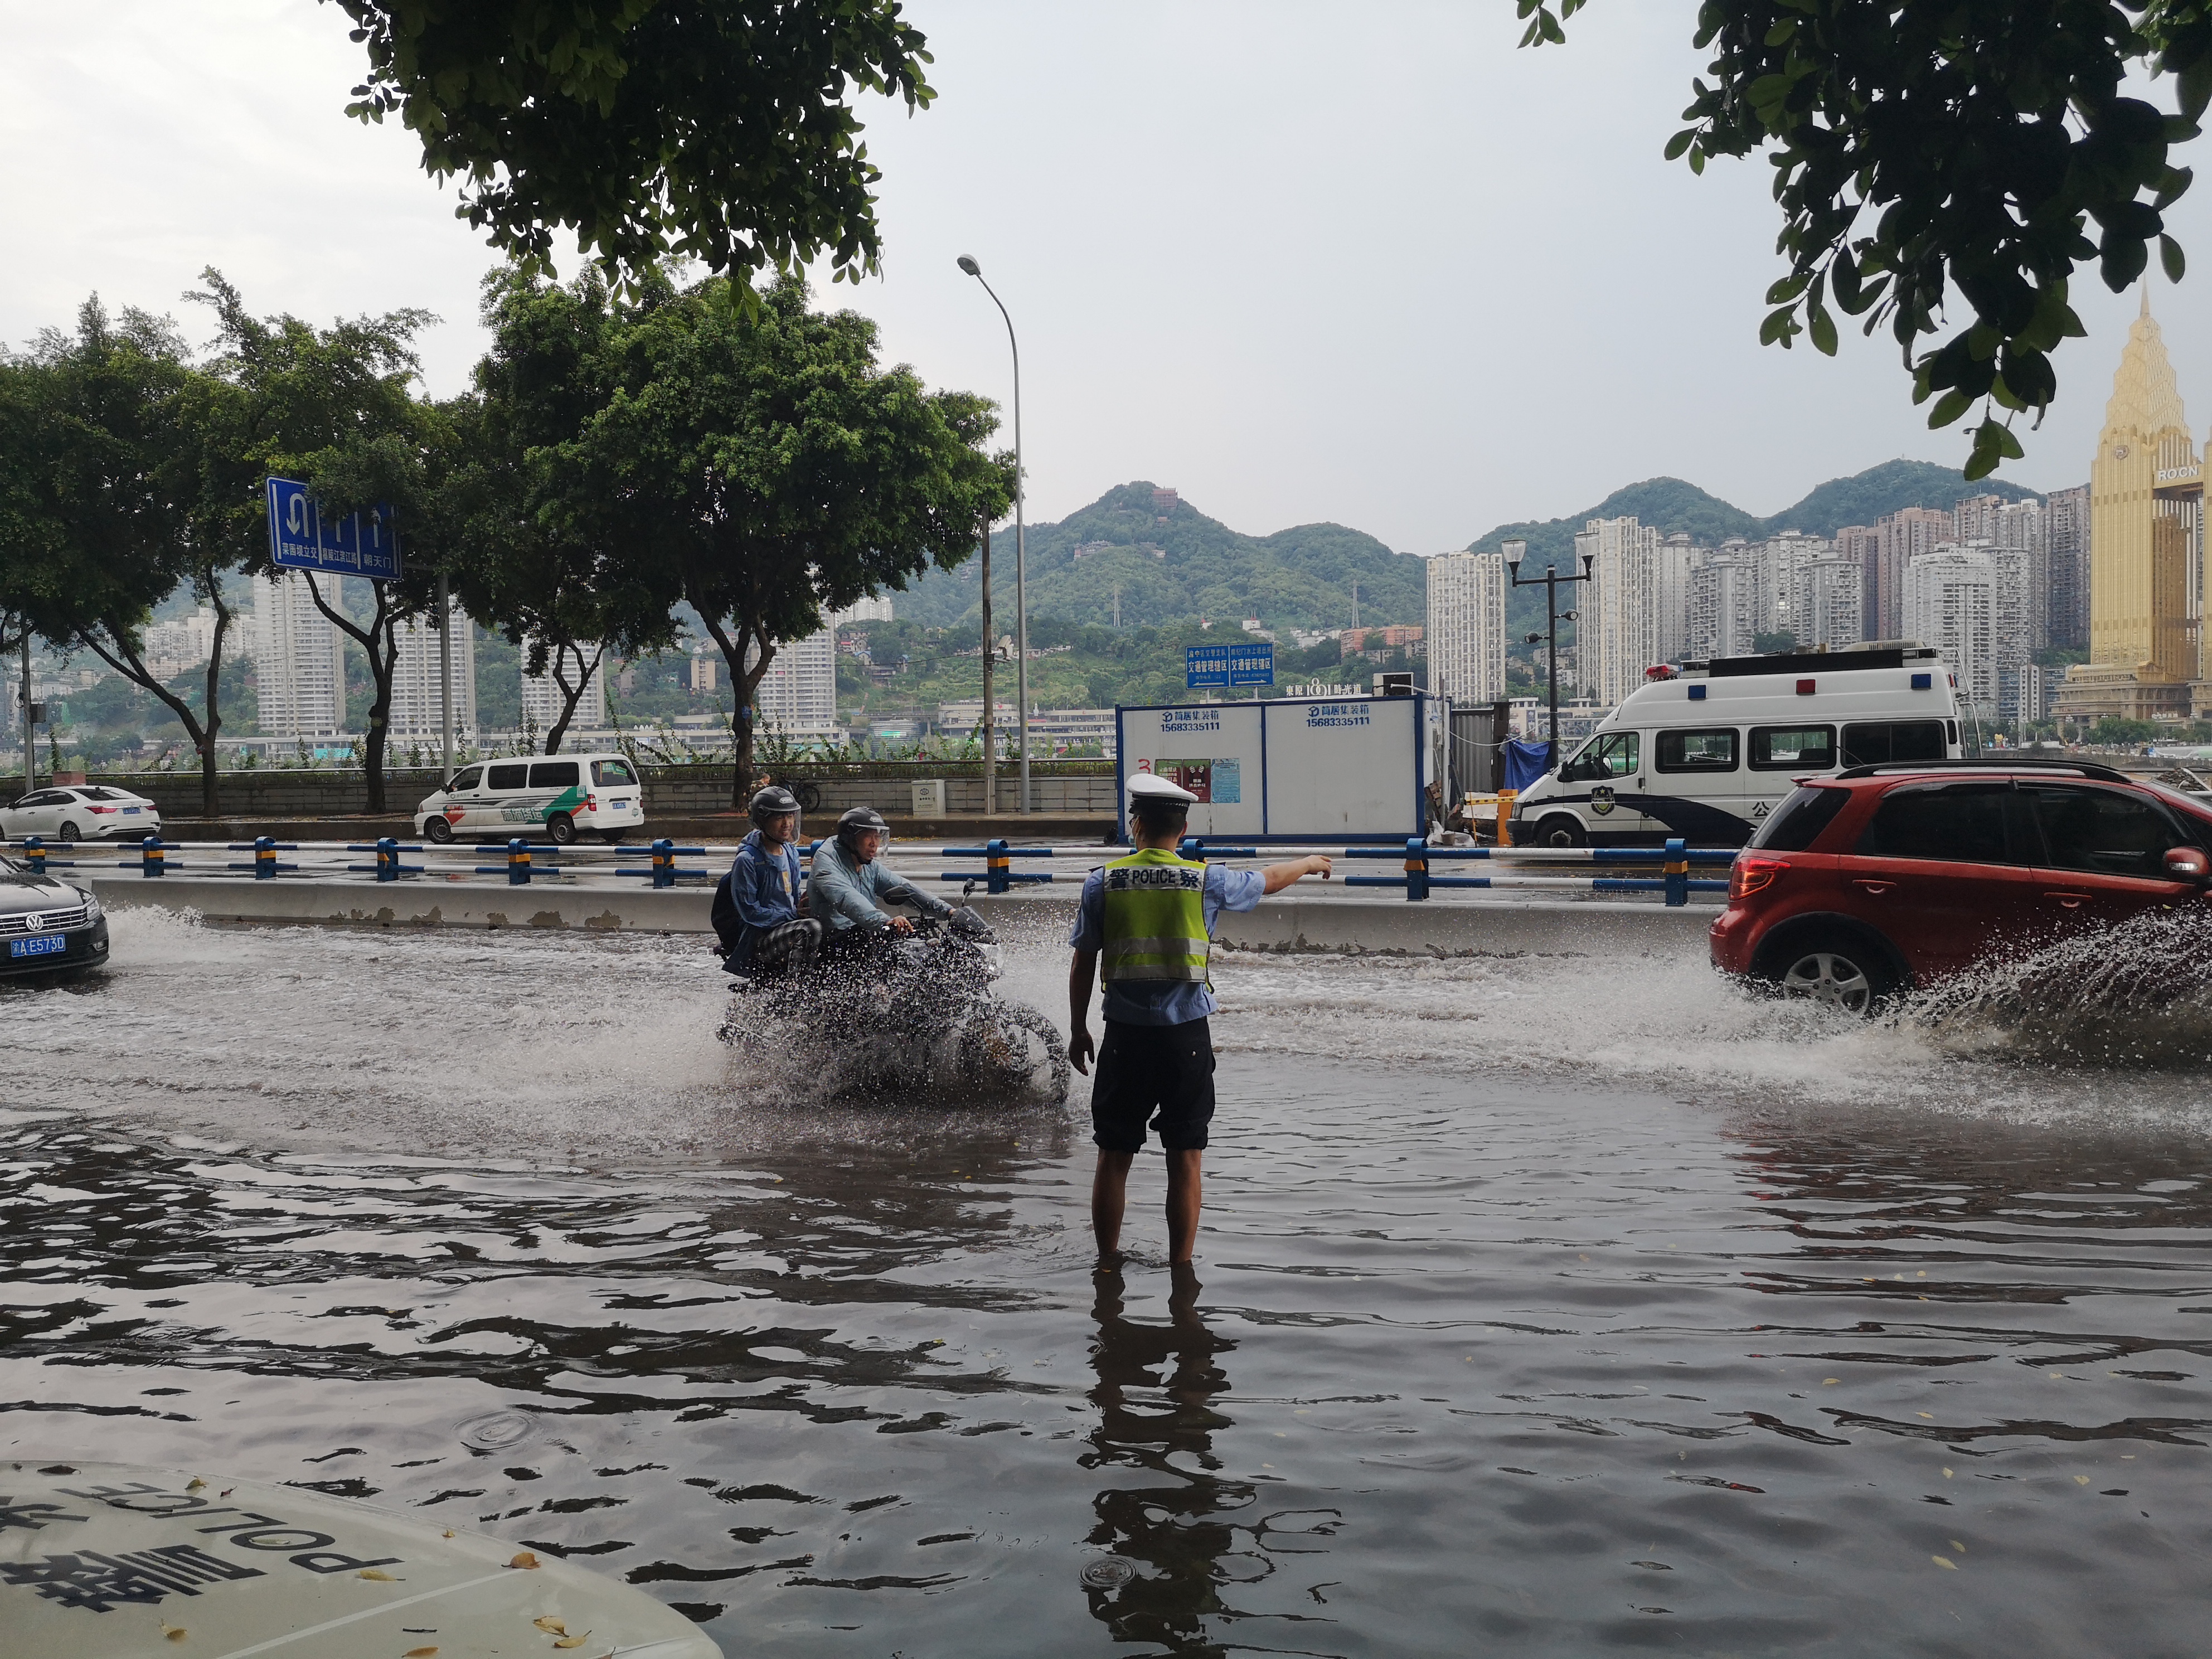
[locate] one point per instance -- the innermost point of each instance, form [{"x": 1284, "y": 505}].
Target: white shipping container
[{"x": 1340, "y": 769}]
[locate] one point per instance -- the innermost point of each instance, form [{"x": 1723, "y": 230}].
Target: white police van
[
  {"x": 1708, "y": 752},
  {"x": 566, "y": 796}
]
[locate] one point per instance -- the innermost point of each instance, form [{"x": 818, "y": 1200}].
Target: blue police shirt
[{"x": 1162, "y": 1001}]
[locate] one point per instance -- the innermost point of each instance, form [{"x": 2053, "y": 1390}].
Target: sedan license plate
[
  {"x": 38, "y": 944},
  {"x": 130, "y": 811}
]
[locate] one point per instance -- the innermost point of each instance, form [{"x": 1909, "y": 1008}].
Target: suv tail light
[{"x": 1747, "y": 876}]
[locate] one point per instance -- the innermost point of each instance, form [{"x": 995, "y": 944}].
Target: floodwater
[{"x": 1543, "y": 1307}]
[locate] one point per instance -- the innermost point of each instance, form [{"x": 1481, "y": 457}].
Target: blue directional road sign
[
  {"x": 1251, "y": 664},
  {"x": 301, "y": 536}
]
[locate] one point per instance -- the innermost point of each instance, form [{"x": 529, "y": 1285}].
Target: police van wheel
[
  {"x": 561, "y": 829},
  {"x": 1559, "y": 830},
  {"x": 439, "y": 829}
]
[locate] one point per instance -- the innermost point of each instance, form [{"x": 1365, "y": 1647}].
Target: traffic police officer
[{"x": 1146, "y": 922}]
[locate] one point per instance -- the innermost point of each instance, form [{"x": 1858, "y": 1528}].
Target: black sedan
[{"x": 46, "y": 926}]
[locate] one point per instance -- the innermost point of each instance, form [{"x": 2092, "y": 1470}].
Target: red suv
[{"x": 1888, "y": 877}]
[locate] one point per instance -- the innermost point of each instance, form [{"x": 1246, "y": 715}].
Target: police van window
[
  {"x": 465, "y": 781},
  {"x": 1792, "y": 747},
  {"x": 508, "y": 777},
  {"x": 1956, "y": 823},
  {"x": 1877, "y": 743},
  {"x": 555, "y": 774},
  {"x": 1798, "y": 821},
  {"x": 608, "y": 773},
  {"x": 1710, "y": 751},
  {"x": 1603, "y": 758}
]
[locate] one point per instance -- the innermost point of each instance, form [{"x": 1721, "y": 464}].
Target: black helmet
[
  {"x": 856, "y": 820},
  {"x": 770, "y": 803}
]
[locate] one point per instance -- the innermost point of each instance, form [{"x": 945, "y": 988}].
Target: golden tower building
[{"x": 2146, "y": 497}]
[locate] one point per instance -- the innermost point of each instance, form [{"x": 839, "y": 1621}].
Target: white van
[
  {"x": 567, "y": 795},
  {"x": 1707, "y": 753}
]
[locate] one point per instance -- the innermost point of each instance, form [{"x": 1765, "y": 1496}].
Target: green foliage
[
  {"x": 713, "y": 131},
  {"x": 774, "y": 469},
  {"x": 2121, "y": 734},
  {"x": 1880, "y": 490},
  {"x": 1927, "y": 148}
]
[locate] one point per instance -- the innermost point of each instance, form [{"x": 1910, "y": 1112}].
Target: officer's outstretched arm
[{"x": 1279, "y": 876}]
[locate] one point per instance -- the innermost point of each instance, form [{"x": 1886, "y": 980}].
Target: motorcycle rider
[
  {"x": 849, "y": 886},
  {"x": 763, "y": 930}
]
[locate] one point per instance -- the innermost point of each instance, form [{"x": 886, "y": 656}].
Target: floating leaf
[
  {"x": 378, "y": 1575},
  {"x": 174, "y": 1633},
  {"x": 1947, "y": 1475},
  {"x": 420, "y": 1653},
  {"x": 2080, "y": 1480},
  {"x": 572, "y": 1641},
  {"x": 1829, "y": 1381},
  {"x": 449, "y": 1532},
  {"x": 1948, "y": 1566},
  {"x": 194, "y": 1483},
  {"x": 551, "y": 1625},
  {"x": 1927, "y": 1414},
  {"x": 524, "y": 1559},
  {"x": 1957, "y": 1546}
]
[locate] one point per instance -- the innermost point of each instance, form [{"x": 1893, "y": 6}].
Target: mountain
[{"x": 1170, "y": 561}]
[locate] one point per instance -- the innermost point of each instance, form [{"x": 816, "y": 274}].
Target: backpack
[{"x": 723, "y": 916}]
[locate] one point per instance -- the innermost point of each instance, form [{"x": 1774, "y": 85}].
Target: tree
[
  {"x": 763, "y": 455},
  {"x": 105, "y": 443},
  {"x": 538, "y": 564},
  {"x": 1924, "y": 145},
  {"x": 331, "y": 407},
  {"x": 713, "y": 131}
]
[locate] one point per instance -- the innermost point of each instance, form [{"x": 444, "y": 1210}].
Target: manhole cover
[
  {"x": 496, "y": 1430},
  {"x": 1109, "y": 1572}
]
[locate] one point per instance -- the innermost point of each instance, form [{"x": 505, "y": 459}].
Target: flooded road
[{"x": 1543, "y": 1307}]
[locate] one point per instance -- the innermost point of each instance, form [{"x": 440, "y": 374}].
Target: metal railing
[{"x": 1674, "y": 861}]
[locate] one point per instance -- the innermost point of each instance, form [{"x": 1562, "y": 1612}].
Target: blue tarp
[{"x": 1525, "y": 762}]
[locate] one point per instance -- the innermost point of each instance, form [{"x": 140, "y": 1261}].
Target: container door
[
  {"x": 2105, "y": 851},
  {"x": 1948, "y": 872}
]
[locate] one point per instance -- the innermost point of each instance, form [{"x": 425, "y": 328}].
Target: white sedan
[{"x": 80, "y": 811}]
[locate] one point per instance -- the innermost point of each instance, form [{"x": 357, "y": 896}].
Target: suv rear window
[
  {"x": 1712, "y": 750},
  {"x": 554, "y": 774},
  {"x": 1955, "y": 823},
  {"x": 1797, "y": 823},
  {"x": 1876, "y": 743},
  {"x": 508, "y": 777}
]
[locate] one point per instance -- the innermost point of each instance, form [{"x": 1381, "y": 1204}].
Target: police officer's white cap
[{"x": 1150, "y": 786}]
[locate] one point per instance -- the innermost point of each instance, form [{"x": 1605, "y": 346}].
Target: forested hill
[
  {"x": 1672, "y": 505},
  {"x": 1172, "y": 561}
]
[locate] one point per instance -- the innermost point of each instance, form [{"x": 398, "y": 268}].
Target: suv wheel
[
  {"x": 1840, "y": 973},
  {"x": 1561, "y": 830}
]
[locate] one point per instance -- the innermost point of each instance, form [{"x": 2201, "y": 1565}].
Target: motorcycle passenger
[
  {"x": 766, "y": 934},
  {"x": 849, "y": 886}
]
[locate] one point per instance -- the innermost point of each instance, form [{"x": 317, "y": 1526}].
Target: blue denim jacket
[{"x": 768, "y": 888}]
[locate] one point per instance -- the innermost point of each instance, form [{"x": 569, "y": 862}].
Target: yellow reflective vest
[{"x": 1155, "y": 918}]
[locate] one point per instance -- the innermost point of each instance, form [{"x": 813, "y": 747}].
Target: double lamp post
[{"x": 1551, "y": 581}]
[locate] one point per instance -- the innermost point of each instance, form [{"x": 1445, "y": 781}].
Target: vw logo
[{"x": 34, "y": 922}]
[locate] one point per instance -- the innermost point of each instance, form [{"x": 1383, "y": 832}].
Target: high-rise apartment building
[
  {"x": 1781, "y": 561},
  {"x": 798, "y": 696},
  {"x": 1467, "y": 627},
  {"x": 417, "y": 703},
  {"x": 1618, "y": 635},
  {"x": 1951, "y": 603},
  {"x": 542, "y": 699},
  {"x": 1900, "y": 538},
  {"x": 1724, "y": 604},
  {"x": 2066, "y": 543},
  {"x": 1828, "y": 611},
  {"x": 298, "y": 659}
]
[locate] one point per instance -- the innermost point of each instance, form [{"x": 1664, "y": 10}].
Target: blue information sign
[
  {"x": 1251, "y": 664},
  {"x": 301, "y": 539}
]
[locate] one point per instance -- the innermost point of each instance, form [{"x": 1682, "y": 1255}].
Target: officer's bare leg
[
  {"x": 1185, "y": 1191},
  {"x": 1110, "y": 1196}
]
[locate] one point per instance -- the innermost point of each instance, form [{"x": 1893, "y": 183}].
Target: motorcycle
[{"x": 911, "y": 1015}]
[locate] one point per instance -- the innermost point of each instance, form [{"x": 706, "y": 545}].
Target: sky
[{"x": 1302, "y": 261}]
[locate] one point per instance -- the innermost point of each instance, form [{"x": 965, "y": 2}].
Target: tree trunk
[
  {"x": 380, "y": 644},
  {"x": 742, "y": 689},
  {"x": 105, "y": 641},
  {"x": 570, "y": 696}
]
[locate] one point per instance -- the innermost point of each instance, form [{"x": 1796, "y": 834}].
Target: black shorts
[{"x": 1155, "y": 1076}]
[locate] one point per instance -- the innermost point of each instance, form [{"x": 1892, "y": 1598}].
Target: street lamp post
[
  {"x": 1550, "y": 581},
  {"x": 1021, "y": 544}
]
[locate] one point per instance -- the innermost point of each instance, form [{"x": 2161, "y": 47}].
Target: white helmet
[{"x": 1151, "y": 787}]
